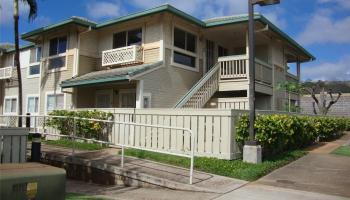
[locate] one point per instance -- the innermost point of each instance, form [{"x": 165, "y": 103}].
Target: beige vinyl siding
[
  {"x": 151, "y": 55},
  {"x": 50, "y": 81},
  {"x": 30, "y": 87},
  {"x": 168, "y": 84},
  {"x": 87, "y": 64}
]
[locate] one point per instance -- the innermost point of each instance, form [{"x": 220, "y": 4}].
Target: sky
[{"x": 321, "y": 26}]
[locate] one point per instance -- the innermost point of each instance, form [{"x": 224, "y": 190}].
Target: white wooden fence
[
  {"x": 214, "y": 130},
  {"x": 13, "y": 145}
]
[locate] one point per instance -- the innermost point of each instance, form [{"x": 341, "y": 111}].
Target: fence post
[
  {"x": 73, "y": 138},
  {"x": 28, "y": 120}
]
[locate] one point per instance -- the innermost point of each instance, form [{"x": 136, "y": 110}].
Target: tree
[
  {"x": 33, "y": 9},
  {"x": 321, "y": 102},
  {"x": 290, "y": 87}
]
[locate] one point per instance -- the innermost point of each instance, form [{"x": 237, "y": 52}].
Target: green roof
[
  {"x": 26, "y": 46},
  {"x": 108, "y": 76},
  {"x": 168, "y": 8},
  {"x": 72, "y": 20},
  {"x": 152, "y": 11}
]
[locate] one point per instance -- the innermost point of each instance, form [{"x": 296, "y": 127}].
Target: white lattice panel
[
  {"x": 124, "y": 55},
  {"x": 5, "y": 72}
]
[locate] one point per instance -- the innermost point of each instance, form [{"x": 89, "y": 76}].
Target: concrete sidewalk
[
  {"x": 317, "y": 176},
  {"x": 140, "y": 172}
]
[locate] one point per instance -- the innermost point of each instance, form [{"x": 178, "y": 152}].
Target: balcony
[
  {"x": 5, "y": 72},
  {"x": 122, "y": 56},
  {"x": 237, "y": 68}
]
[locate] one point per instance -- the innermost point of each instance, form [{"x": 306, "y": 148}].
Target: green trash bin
[{"x": 32, "y": 181}]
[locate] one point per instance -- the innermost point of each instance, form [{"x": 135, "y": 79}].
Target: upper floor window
[
  {"x": 184, "y": 40},
  {"x": 35, "y": 55},
  {"x": 58, "y": 45},
  {"x": 127, "y": 38}
]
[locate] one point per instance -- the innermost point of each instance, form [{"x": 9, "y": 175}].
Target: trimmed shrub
[
  {"x": 84, "y": 128},
  {"x": 277, "y": 133}
]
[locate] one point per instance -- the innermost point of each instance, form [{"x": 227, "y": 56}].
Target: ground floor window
[
  {"x": 104, "y": 98},
  {"x": 127, "y": 99},
  {"x": 32, "y": 104},
  {"x": 54, "y": 102},
  {"x": 11, "y": 105}
]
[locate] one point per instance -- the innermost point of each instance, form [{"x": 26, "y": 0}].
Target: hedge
[
  {"x": 84, "y": 128},
  {"x": 277, "y": 133}
]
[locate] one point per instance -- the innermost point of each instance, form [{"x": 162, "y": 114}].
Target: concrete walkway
[
  {"x": 142, "y": 171},
  {"x": 317, "y": 176}
]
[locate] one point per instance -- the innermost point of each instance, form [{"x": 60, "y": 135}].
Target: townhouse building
[{"x": 157, "y": 58}]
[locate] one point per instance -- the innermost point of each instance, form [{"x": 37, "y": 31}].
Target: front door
[{"x": 104, "y": 98}]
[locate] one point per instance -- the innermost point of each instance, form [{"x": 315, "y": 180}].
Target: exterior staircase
[{"x": 202, "y": 91}]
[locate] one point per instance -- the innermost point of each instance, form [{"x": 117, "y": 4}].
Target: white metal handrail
[
  {"x": 124, "y": 55},
  {"x": 122, "y": 144},
  {"x": 5, "y": 72}
]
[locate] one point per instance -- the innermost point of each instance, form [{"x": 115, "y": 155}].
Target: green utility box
[{"x": 32, "y": 181}]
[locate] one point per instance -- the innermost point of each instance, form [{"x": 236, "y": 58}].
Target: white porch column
[{"x": 139, "y": 94}]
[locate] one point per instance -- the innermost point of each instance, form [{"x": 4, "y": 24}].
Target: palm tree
[{"x": 33, "y": 9}]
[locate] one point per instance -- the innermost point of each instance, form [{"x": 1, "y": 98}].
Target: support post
[
  {"x": 251, "y": 40},
  {"x": 251, "y": 150}
]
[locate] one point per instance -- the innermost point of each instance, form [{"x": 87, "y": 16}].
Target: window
[
  {"x": 127, "y": 99},
  {"x": 222, "y": 51},
  {"x": 127, "y": 38},
  {"x": 34, "y": 70},
  {"x": 184, "y": 59},
  {"x": 32, "y": 104},
  {"x": 58, "y": 45},
  {"x": 10, "y": 105},
  {"x": 184, "y": 40},
  {"x": 187, "y": 42},
  {"x": 54, "y": 102},
  {"x": 56, "y": 63},
  {"x": 35, "y": 55}
]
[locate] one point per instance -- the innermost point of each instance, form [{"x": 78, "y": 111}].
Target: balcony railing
[
  {"x": 122, "y": 56},
  {"x": 5, "y": 72},
  {"x": 237, "y": 67}
]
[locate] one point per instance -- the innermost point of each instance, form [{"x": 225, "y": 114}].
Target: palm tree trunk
[{"x": 17, "y": 61}]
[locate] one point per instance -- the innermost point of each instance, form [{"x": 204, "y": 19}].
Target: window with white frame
[
  {"x": 34, "y": 62},
  {"x": 10, "y": 105},
  {"x": 187, "y": 42},
  {"x": 58, "y": 45},
  {"x": 35, "y": 55},
  {"x": 32, "y": 104},
  {"x": 54, "y": 102},
  {"x": 127, "y": 38}
]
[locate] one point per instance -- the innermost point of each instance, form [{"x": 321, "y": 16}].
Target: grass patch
[
  {"x": 230, "y": 168},
  {"x": 343, "y": 151},
  {"x": 76, "y": 196},
  {"x": 77, "y": 145}
]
